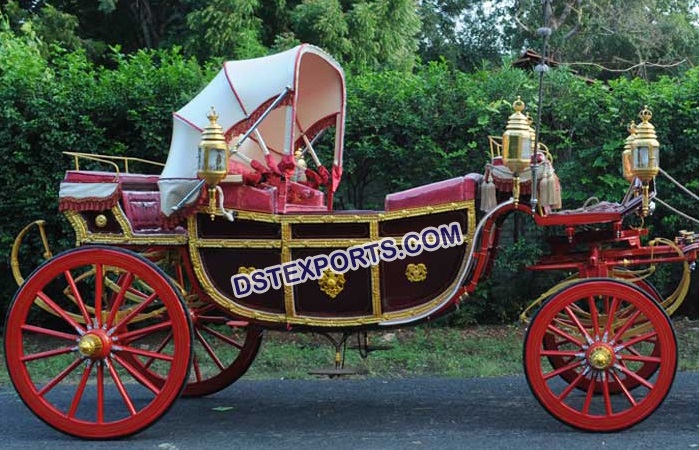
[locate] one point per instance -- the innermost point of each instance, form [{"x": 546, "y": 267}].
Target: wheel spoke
[
  {"x": 138, "y": 375},
  {"x": 48, "y": 332},
  {"x": 148, "y": 354},
  {"x": 209, "y": 350},
  {"x": 47, "y": 354},
  {"x": 569, "y": 353},
  {"x": 624, "y": 389},
  {"x": 78, "y": 297},
  {"x": 564, "y": 335},
  {"x": 159, "y": 349},
  {"x": 611, "y": 312},
  {"x": 119, "y": 300},
  {"x": 570, "y": 387},
  {"x": 637, "y": 339},
  {"x": 594, "y": 315},
  {"x": 99, "y": 280},
  {"x": 560, "y": 370},
  {"x": 575, "y": 320},
  {"x": 626, "y": 326},
  {"x": 605, "y": 394},
  {"x": 197, "y": 369},
  {"x": 135, "y": 335},
  {"x": 137, "y": 310},
  {"x": 100, "y": 392},
  {"x": 637, "y": 358},
  {"x": 61, "y": 313},
  {"x": 590, "y": 394},
  {"x": 122, "y": 390},
  {"x": 60, "y": 377},
  {"x": 635, "y": 376},
  {"x": 222, "y": 337},
  {"x": 80, "y": 389}
]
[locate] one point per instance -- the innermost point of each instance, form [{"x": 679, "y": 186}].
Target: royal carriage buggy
[{"x": 128, "y": 317}]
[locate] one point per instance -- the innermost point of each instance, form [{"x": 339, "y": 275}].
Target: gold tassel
[
  {"x": 544, "y": 197},
  {"x": 555, "y": 192},
  {"x": 488, "y": 194}
]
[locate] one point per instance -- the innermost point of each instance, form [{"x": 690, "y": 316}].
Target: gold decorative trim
[
  {"x": 377, "y": 307},
  {"x": 416, "y": 273},
  {"x": 289, "y": 303},
  {"x": 101, "y": 221},
  {"x": 83, "y": 235},
  {"x": 349, "y": 218},
  {"x": 321, "y": 243},
  {"x": 239, "y": 243},
  {"x": 332, "y": 283},
  {"x": 246, "y": 270}
]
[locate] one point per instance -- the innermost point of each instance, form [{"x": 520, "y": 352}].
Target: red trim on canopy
[{"x": 187, "y": 121}]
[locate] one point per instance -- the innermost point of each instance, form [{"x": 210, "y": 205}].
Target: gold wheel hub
[
  {"x": 91, "y": 346},
  {"x": 601, "y": 356}
]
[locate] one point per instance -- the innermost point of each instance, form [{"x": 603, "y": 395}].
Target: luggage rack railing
[{"x": 110, "y": 160}]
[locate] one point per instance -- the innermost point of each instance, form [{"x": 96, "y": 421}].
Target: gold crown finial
[
  {"x": 518, "y": 105},
  {"x": 645, "y": 114},
  {"x": 631, "y": 128},
  {"x": 212, "y": 116}
]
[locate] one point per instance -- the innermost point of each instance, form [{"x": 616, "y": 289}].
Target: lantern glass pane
[
  {"x": 201, "y": 159},
  {"x": 215, "y": 160},
  {"x": 512, "y": 146},
  {"x": 642, "y": 157},
  {"x": 526, "y": 152},
  {"x": 656, "y": 157}
]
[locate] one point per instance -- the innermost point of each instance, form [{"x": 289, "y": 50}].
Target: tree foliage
[
  {"x": 465, "y": 32},
  {"x": 644, "y": 38}
]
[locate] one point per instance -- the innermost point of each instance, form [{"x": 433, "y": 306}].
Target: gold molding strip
[
  {"x": 350, "y": 218},
  {"x": 239, "y": 243},
  {"x": 84, "y": 236}
]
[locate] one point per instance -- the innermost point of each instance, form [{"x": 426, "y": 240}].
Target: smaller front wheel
[{"x": 603, "y": 349}]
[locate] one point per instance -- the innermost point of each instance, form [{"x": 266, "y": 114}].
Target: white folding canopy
[{"x": 240, "y": 93}]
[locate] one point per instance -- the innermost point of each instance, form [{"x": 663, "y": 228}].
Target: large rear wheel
[{"x": 69, "y": 342}]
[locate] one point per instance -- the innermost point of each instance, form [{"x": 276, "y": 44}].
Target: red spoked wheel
[
  {"x": 645, "y": 369},
  {"x": 602, "y": 354},
  {"x": 223, "y": 351},
  {"x": 69, "y": 342}
]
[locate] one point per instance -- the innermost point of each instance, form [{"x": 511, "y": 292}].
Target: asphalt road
[{"x": 420, "y": 413}]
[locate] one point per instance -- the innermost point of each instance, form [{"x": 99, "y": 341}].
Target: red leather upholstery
[
  {"x": 142, "y": 209},
  {"x": 249, "y": 198},
  {"x": 301, "y": 195},
  {"x": 453, "y": 190}
]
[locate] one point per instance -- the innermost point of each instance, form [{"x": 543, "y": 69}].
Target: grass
[
  {"x": 481, "y": 351},
  {"x": 471, "y": 352}
]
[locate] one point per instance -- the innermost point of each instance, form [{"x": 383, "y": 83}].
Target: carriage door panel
[{"x": 415, "y": 280}]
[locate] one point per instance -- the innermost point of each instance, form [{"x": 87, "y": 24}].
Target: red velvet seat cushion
[
  {"x": 142, "y": 208},
  {"x": 454, "y": 190}
]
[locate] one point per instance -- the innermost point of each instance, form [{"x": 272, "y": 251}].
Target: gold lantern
[
  {"x": 517, "y": 145},
  {"x": 645, "y": 154},
  {"x": 212, "y": 166},
  {"x": 626, "y": 154}
]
